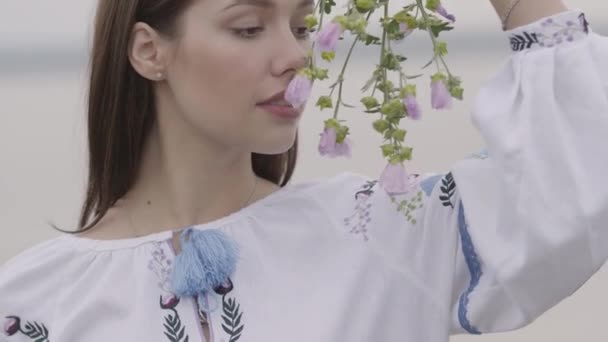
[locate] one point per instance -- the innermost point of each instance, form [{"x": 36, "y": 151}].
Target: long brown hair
[{"x": 121, "y": 107}]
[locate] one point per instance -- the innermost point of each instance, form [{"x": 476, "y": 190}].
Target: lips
[{"x": 276, "y": 100}]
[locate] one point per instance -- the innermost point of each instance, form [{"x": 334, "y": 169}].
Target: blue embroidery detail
[
  {"x": 470, "y": 256},
  {"x": 428, "y": 184}
]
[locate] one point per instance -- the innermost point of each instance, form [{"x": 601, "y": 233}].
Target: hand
[{"x": 527, "y": 11}]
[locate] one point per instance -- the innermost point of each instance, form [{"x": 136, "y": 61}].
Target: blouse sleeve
[
  {"x": 31, "y": 284},
  {"x": 507, "y": 233},
  {"x": 531, "y": 214}
]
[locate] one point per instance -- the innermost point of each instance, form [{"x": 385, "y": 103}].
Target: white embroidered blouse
[{"x": 486, "y": 247}]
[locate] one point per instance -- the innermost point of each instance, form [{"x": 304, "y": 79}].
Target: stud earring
[{"x": 159, "y": 75}]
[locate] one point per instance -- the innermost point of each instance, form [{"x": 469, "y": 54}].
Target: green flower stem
[
  {"x": 402, "y": 77},
  {"x": 433, "y": 39},
  {"x": 383, "y": 49},
  {"x": 340, "y": 81},
  {"x": 386, "y": 45},
  {"x": 321, "y": 5}
]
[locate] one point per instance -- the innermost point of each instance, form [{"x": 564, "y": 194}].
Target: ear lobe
[{"x": 144, "y": 51}]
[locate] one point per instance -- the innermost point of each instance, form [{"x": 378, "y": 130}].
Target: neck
[
  {"x": 184, "y": 180},
  {"x": 527, "y": 11}
]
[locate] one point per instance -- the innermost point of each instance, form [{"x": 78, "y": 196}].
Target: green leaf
[
  {"x": 369, "y": 83},
  {"x": 429, "y": 63},
  {"x": 364, "y": 6},
  {"x": 390, "y": 62},
  {"x": 440, "y": 27},
  {"x": 441, "y": 48},
  {"x": 399, "y": 135},
  {"x": 369, "y": 39},
  {"x": 381, "y": 125},
  {"x": 324, "y": 102},
  {"x": 385, "y": 86},
  {"x": 328, "y": 6},
  {"x": 410, "y": 7},
  {"x": 457, "y": 92},
  {"x": 387, "y": 149},
  {"x": 406, "y": 153},
  {"x": 402, "y": 17},
  {"x": 321, "y": 74},
  {"x": 328, "y": 55},
  {"x": 347, "y": 105},
  {"x": 400, "y": 58},
  {"x": 370, "y": 102},
  {"x": 432, "y": 4},
  {"x": 413, "y": 76},
  {"x": 311, "y": 21},
  {"x": 392, "y": 27}
]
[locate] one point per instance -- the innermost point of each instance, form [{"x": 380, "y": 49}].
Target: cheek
[
  {"x": 217, "y": 84},
  {"x": 218, "y": 74},
  {"x": 216, "y": 80}
]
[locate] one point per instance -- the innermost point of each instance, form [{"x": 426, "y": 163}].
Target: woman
[{"x": 186, "y": 131}]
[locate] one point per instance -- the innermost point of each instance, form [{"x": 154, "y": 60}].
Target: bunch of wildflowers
[{"x": 391, "y": 102}]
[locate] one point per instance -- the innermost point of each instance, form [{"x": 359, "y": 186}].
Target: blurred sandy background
[{"x": 43, "y": 57}]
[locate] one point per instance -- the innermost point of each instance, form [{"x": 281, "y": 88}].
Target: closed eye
[
  {"x": 248, "y": 32},
  {"x": 303, "y": 32}
]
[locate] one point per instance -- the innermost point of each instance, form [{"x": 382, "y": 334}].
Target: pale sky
[{"x": 40, "y": 23}]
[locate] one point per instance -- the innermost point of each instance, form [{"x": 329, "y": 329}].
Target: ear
[{"x": 146, "y": 52}]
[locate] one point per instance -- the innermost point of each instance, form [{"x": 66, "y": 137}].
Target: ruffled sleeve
[
  {"x": 507, "y": 233},
  {"x": 532, "y": 214}
]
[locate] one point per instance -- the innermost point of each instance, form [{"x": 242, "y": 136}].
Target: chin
[{"x": 278, "y": 145}]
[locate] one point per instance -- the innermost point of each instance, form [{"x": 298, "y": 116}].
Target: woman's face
[{"x": 230, "y": 56}]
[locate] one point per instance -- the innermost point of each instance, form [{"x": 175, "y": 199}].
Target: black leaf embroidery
[
  {"x": 448, "y": 188},
  {"x": 37, "y": 332},
  {"x": 584, "y": 21},
  {"x": 523, "y": 41},
  {"x": 174, "y": 329},
  {"x": 232, "y": 319}
]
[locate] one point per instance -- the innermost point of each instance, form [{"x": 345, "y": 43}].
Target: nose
[{"x": 291, "y": 54}]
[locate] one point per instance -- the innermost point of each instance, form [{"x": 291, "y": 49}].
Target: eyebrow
[{"x": 265, "y": 3}]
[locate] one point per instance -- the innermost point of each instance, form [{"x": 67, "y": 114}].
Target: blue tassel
[{"x": 207, "y": 260}]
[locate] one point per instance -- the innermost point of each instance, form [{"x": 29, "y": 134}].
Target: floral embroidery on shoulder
[
  {"x": 551, "y": 32},
  {"x": 361, "y": 216},
  {"x": 409, "y": 206},
  {"x": 420, "y": 187},
  {"x": 161, "y": 265},
  {"x": 36, "y": 331}
]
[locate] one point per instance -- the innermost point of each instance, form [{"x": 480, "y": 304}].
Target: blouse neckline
[{"x": 162, "y": 236}]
